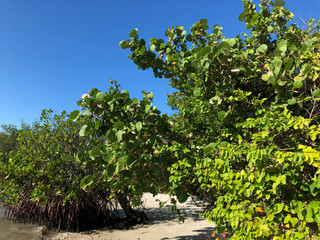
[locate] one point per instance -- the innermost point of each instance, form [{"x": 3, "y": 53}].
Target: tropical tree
[
  {"x": 248, "y": 119},
  {"x": 245, "y": 136},
  {"x": 8, "y": 140},
  {"x": 130, "y": 161},
  {"x": 41, "y": 180}
]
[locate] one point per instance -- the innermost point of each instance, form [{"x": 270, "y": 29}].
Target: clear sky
[{"x": 53, "y": 51}]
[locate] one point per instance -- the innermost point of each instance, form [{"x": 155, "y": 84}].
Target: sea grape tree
[
  {"x": 245, "y": 136},
  {"x": 131, "y": 159},
  {"x": 248, "y": 119}
]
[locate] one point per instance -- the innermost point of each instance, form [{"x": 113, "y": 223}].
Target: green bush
[
  {"x": 248, "y": 120},
  {"x": 41, "y": 179},
  {"x": 245, "y": 136},
  {"x": 131, "y": 160}
]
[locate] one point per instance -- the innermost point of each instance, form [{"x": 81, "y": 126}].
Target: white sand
[{"x": 162, "y": 224}]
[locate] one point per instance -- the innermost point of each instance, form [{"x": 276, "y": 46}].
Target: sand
[{"x": 162, "y": 224}]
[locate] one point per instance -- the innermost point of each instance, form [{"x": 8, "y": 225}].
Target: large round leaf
[
  {"x": 119, "y": 125},
  {"x": 197, "y": 92},
  {"x": 221, "y": 115},
  {"x": 297, "y": 84},
  {"x": 138, "y": 126},
  {"x": 292, "y": 101},
  {"x": 182, "y": 197},
  {"x": 316, "y": 93},
  {"x": 210, "y": 148},
  {"x": 92, "y": 91},
  {"x": 75, "y": 115},
  {"x": 100, "y": 96}
]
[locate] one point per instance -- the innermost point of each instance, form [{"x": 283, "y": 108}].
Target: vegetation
[
  {"x": 248, "y": 120},
  {"x": 245, "y": 138},
  {"x": 8, "y": 141},
  {"x": 42, "y": 176}
]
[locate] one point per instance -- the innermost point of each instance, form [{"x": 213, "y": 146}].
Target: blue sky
[{"x": 53, "y": 51}]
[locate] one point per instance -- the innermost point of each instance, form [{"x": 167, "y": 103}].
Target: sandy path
[{"x": 162, "y": 224}]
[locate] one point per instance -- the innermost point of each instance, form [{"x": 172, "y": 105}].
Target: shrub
[{"x": 248, "y": 118}]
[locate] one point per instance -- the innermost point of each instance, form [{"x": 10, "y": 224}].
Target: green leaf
[
  {"x": 124, "y": 44},
  {"x": 262, "y": 48},
  {"x": 287, "y": 219},
  {"x": 182, "y": 197},
  {"x": 125, "y": 93},
  {"x": 265, "y": 77},
  {"x": 221, "y": 115},
  {"x": 210, "y": 148},
  {"x": 279, "y": 3},
  {"x": 270, "y": 29},
  {"x": 315, "y": 206},
  {"x": 204, "y": 51},
  {"x": 242, "y": 17},
  {"x": 97, "y": 124},
  {"x": 111, "y": 136},
  {"x": 135, "y": 100},
  {"x": 99, "y": 96},
  {"x": 134, "y": 33},
  {"x": 271, "y": 217},
  {"x": 86, "y": 182},
  {"x": 197, "y": 92},
  {"x": 75, "y": 115},
  {"x": 288, "y": 63},
  {"x": 316, "y": 93},
  {"x": 95, "y": 152},
  {"x": 299, "y": 207},
  {"x": 231, "y": 41},
  {"x": 108, "y": 97},
  {"x": 119, "y": 135},
  {"x": 152, "y": 47},
  {"x": 150, "y": 95},
  {"x": 255, "y": 19},
  {"x": 294, "y": 221},
  {"x": 277, "y": 63},
  {"x": 161, "y": 204},
  {"x": 111, "y": 168},
  {"x": 80, "y": 157},
  {"x": 116, "y": 96},
  {"x": 67, "y": 157},
  {"x": 280, "y": 207},
  {"x": 234, "y": 221},
  {"x": 92, "y": 91},
  {"x": 313, "y": 186},
  {"x": 307, "y": 69},
  {"x": 224, "y": 144},
  {"x": 138, "y": 126},
  {"x": 148, "y": 107},
  {"x": 292, "y": 101},
  {"x": 298, "y": 84},
  {"x": 317, "y": 218},
  {"x": 309, "y": 216},
  {"x": 119, "y": 125},
  {"x": 142, "y": 50},
  {"x": 173, "y": 57},
  {"x": 224, "y": 44},
  {"x": 282, "y": 45},
  {"x": 84, "y": 131},
  {"x": 86, "y": 112}
]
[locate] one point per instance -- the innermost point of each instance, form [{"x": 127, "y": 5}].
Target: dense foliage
[
  {"x": 8, "y": 141},
  {"x": 248, "y": 119},
  {"x": 245, "y": 137},
  {"x": 130, "y": 161},
  {"x": 41, "y": 178}
]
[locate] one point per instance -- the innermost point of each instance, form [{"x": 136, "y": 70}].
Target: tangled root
[{"x": 81, "y": 214}]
